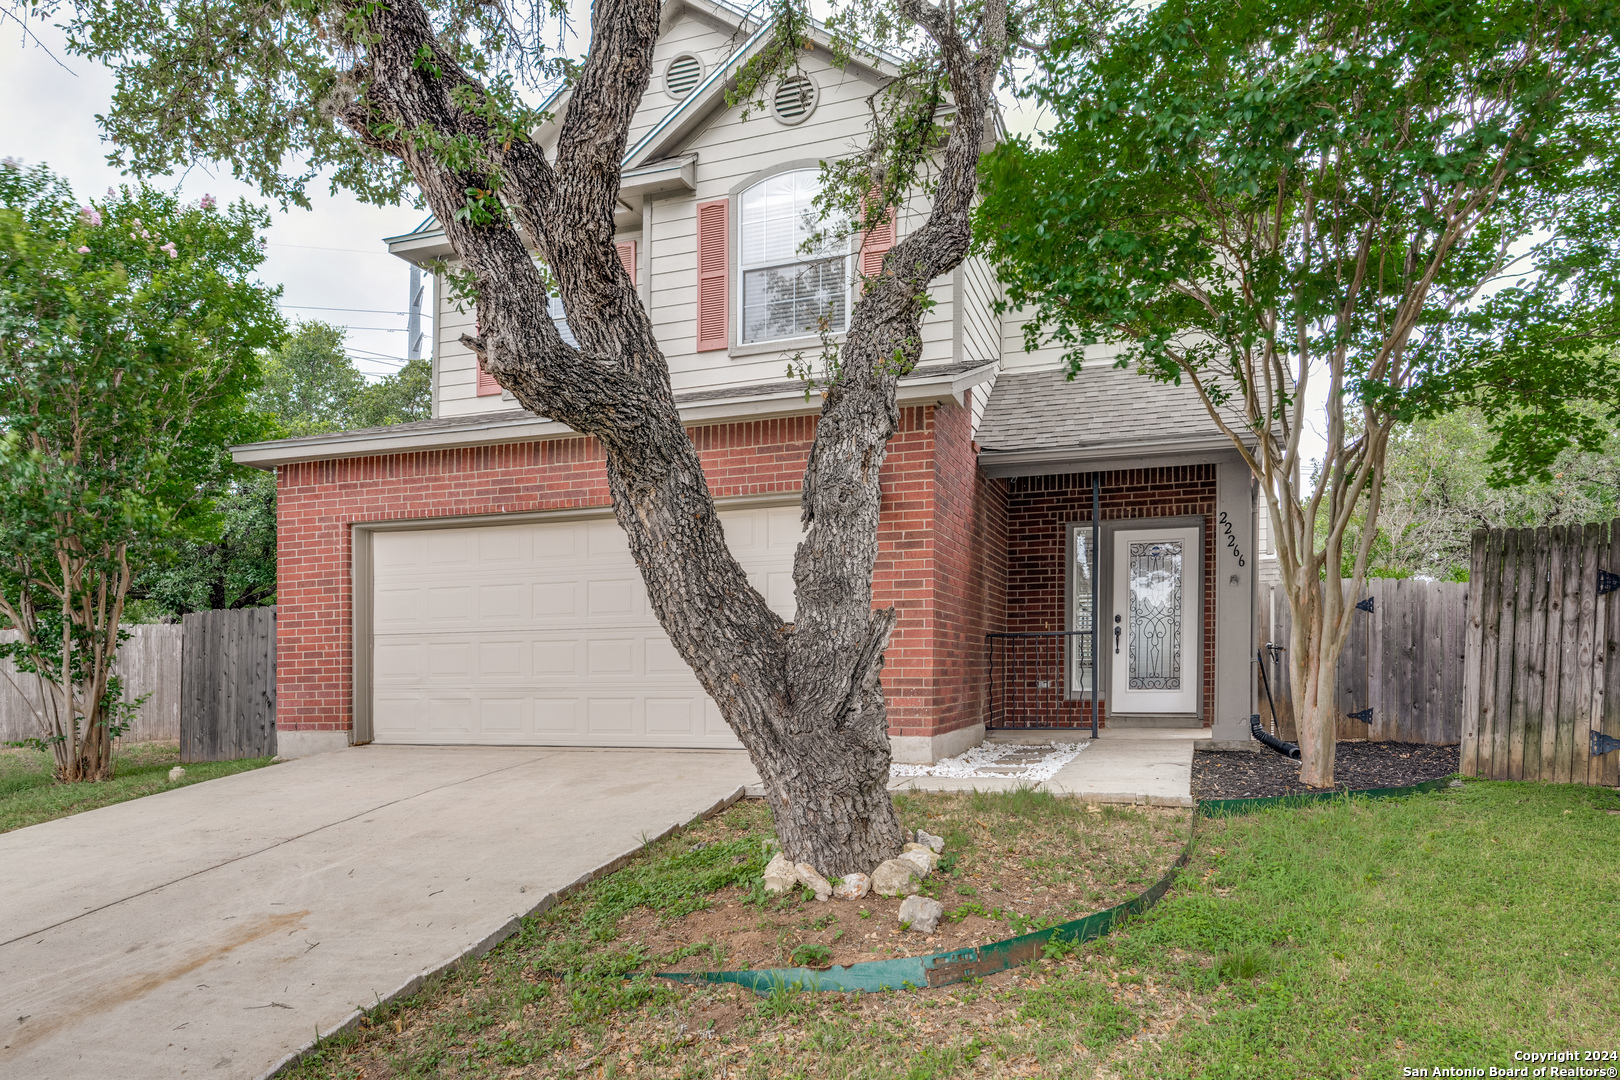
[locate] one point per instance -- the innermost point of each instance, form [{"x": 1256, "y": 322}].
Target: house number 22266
[{"x": 1231, "y": 540}]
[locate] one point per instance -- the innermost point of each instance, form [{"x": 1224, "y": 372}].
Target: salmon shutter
[
  {"x": 714, "y": 259},
  {"x": 876, "y": 243},
  {"x": 486, "y": 382},
  {"x": 627, "y": 257}
]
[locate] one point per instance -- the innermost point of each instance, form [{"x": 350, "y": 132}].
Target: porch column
[{"x": 1234, "y": 594}]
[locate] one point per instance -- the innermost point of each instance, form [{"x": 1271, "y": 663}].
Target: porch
[{"x": 1130, "y": 561}]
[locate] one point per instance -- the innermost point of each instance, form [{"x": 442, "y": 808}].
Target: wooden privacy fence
[
  {"x": 228, "y": 692},
  {"x": 149, "y": 665},
  {"x": 1403, "y": 660},
  {"x": 1541, "y": 672}
]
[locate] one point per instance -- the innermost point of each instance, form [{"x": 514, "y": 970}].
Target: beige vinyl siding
[
  {"x": 687, "y": 35},
  {"x": 980, "y": 397},
  {"x": 458, "y": 369},
  {"x": 981, "y": 326},
  {"x": 730, "y": 150}
]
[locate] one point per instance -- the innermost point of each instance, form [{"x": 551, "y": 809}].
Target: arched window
[{"x": 786, "y": 292}]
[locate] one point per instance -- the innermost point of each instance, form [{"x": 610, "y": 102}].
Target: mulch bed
[{"x": 1358, "y": 766}]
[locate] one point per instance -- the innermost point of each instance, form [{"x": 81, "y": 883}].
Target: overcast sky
[{"x": 329, "y": 261}]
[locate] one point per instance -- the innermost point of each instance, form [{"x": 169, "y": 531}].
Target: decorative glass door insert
[
  {"x": 1080, "y": 586},
  {"x": 1153, "y": 639}
]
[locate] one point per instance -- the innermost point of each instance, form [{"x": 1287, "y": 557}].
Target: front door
[{"x": 1155, "y": 625}]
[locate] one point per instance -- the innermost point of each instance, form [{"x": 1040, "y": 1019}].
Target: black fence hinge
[
  {"x": 1603, "y": 744},
  {"x": 1366, "y": 605},
  {"x": 1607, "y": 582},
  {"x": 1364, "y": 715}
]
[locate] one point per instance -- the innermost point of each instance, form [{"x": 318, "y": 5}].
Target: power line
[
  {"x": 361, "y": 310},
  {"x": 317, "y": 247}
]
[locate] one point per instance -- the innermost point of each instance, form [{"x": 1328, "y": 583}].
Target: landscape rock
[
  {"x": 176, "y": 773},
  {"x": 921, "y": 914},
  {"x": 780, "y": 875},
  {"x": 925, "y": 851},
  {"x": 922, "y": 859},
  {"x": 853, "y": 886},
  {"x": 896, "y": 877},
  {"x": 814, "y": 881},
  {"x": 936, "y": 843}
]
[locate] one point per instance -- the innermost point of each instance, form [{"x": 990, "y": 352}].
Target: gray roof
[{"x": 1103, "y": 409}]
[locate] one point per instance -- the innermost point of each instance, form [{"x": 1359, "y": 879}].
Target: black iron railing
[{"x": 1030, "y": 684}]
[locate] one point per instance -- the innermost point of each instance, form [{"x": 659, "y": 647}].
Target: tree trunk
[
  {"x": 804, "y": 698},
  {"x": 1315, "y": 641}
]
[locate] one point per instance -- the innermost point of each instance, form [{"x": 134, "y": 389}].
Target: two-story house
[{"x": 461, "y": 580}]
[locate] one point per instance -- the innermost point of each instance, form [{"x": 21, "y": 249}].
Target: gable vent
[
  {"x": 682, "y": 74},
  {"x": 794, "y": 100}
]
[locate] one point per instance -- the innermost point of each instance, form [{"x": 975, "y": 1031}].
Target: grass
[
  {"x": 1348, "y": 939},
  {"x": 29, "y": 794}
]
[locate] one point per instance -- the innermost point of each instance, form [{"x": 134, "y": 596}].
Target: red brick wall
[
  {"x": 319, "y": 501},
  {"x": 1040, "y": 508}
]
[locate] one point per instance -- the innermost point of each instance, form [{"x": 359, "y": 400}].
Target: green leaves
[
  {"x": 1230, "y": 194},
  {"x": 129, "y": 334}
]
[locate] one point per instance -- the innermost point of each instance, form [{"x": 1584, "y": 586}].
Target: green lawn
[
  {"x": 1349, "y": 939},
  {"x": 29, "y": 794}
]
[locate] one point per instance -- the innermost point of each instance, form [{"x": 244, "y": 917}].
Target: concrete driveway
[{"x": 212, "y": 930}]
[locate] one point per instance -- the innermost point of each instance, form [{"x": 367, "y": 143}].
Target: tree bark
[{"x": 804, "y": 698}]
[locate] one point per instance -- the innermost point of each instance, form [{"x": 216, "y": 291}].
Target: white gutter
[{"x": 520, "y": 426}]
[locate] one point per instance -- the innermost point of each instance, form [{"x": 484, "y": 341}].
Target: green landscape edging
[
  {"x": 942, "y": 969},
  {"x": 1216, "y": 807}
]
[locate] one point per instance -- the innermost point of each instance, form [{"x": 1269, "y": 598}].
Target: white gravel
[{"x": 1032, "y": 762}]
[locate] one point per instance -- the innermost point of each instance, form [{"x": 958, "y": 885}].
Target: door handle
[{"x": 1116, "y": 640}]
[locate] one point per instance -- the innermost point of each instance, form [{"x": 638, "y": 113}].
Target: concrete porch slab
[{"x": 1152, "y": 766}]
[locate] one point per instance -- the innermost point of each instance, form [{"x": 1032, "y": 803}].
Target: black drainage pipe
[{"x": 1286, "y": 749}]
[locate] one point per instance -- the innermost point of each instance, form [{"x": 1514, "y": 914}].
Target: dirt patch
[
  {"x": 1358, "y": 766},
  {"x": 1000, "y": 876}
]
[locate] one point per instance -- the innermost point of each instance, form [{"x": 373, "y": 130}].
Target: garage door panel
[
  {"x": 556, "y": 602},
  {"x": 448, "y": 715},
  {"x": 557, "y": 658},
  {"x": 610, "y": 656},
  {"x": 450, "y": 660},
  {"x": 502, "y": 659},
  {"x": 450, "y": 604},
  {"x": 674, "y": 716},
  {"x": 502, "y": 546},
  {"x": 606, "y": 542},
  {"x": 541, "y": 633},
  {"x": 612, "y": 598},
  {"x": 504, "y": 715},
  {"x": 397, "y": 660},
  {"x": 611, "y": 716},
  {"x": 557, "y": 716},
  {"x": 446, "y": 549},
  {"x": 502, "y": 603},
  {"x": 396, "y": 608}
]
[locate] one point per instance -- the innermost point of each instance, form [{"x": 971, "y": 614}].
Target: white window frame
[{"x": 742, "y": 343}]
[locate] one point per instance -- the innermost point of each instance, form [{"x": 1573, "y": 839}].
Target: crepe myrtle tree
[
  {"x": 427, "y": 96},
  {"x": 1415, "y": 202},
  {"x": 129, "y": 333}
]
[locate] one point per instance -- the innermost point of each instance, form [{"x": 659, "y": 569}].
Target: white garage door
[{"x": 541, "y": 634}]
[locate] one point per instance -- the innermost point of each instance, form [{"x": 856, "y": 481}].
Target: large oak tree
[{"x": 391, "y": 99}]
